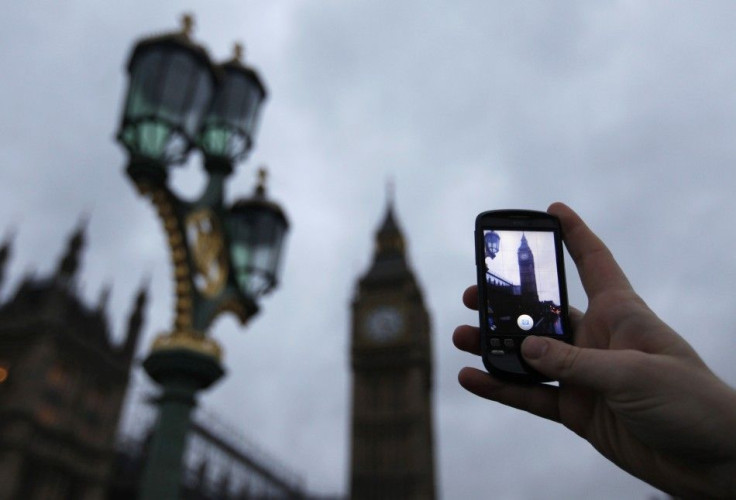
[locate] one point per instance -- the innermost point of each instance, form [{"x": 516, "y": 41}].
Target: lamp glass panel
[
  {"x": 141, "y": 132},
  {"x": 234, "y": 100},
  {"x": 214, "y": 140},
  {"x": 178, "y": 81},
  {"x": 143, "y": 85},
  {"x": 215, "y": 137},
  {"x": 199, "y": 100},
  {"x": 255, "y": 98},
  {"x": 244, "y": 100}
]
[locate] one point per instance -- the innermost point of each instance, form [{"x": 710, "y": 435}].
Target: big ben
[
  {"x": 527, "y": 275},
  {"x": 392, "y": 452}
]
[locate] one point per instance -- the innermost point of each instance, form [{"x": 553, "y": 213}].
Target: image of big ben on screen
[{"x": 523, "y": 291}]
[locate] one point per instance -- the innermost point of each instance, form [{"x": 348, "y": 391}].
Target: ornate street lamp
[
  {"x": 257, "y": 228},
  {"x": 224, "y": 258},
  {"x": 492, "y": 240}
]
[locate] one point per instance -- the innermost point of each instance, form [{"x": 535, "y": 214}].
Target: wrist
[
  {"x": 693, "y": 480},
  {"x": 721, "y": 481},
  {"x": 720, "y": 477},
  {"x": 706, "y": 466}
]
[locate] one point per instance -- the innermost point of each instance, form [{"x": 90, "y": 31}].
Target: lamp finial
[
  {"x": 238, "y": 50},
  {"x": 262, "y": 175},
  {"x": 187, "y": 24}
]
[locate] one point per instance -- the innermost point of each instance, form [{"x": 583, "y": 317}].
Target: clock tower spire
[
  {"x": 390, "y": 245},
  {"x": 392, "y": 433}
]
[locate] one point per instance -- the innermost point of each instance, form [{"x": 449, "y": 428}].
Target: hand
[{"x": 631, "y": 385}]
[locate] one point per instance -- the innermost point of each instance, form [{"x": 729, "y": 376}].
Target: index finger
[{"x": 597, "y": 268}]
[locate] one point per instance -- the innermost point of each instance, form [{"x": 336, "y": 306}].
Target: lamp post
[
  {"x": 224, "y": 258},
  {"x": 492, "y": 240}
]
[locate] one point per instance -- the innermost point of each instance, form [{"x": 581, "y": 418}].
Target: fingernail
[{"x": 534, "y": 347}]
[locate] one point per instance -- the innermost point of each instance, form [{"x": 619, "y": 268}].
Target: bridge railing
[{"x": 220, "y": 461}]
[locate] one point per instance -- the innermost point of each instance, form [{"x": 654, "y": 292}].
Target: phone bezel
[{"x": 511, "y": 365}]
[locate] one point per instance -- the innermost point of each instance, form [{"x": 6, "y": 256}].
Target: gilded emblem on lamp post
[{"x": 208, "y": 251}]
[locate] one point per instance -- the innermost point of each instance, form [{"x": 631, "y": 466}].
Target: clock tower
[
  {"x": 527, "y": 274},
  {"x": 392, "y": 452}
]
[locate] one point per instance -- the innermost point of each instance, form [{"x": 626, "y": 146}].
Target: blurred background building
[
  {"x": 63, "y": 381},
  {"x": 63, "y": 385}
]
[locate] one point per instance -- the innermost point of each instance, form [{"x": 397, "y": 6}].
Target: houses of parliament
[{"x": 63, "y": 386}]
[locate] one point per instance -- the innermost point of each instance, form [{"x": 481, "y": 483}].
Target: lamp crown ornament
[
  {"x": 187, "y": 24},
  {"x": 262, "y": 177},
  {"x": 238, "y": 51}
]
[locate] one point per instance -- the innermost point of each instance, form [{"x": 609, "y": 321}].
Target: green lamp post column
[{"x": 177, "y": 100}]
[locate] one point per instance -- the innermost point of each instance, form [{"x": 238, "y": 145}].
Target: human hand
[{"x": 631, "y": 386}]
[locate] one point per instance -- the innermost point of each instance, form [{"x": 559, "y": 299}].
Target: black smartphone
[{"x": 521, "y": 287}]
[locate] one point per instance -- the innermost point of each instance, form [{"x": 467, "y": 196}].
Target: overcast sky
[{"x": 626, "y": 110}]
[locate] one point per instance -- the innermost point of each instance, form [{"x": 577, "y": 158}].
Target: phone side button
[{"x": 498, "y": 352}]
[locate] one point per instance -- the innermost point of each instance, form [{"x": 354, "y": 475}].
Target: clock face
[{"x": 384, "y": 323}]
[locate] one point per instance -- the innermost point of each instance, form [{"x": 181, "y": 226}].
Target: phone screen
[{"x": 523, "y": 293}]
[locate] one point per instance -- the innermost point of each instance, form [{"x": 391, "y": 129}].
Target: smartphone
[{"x": 521, "y": 287}]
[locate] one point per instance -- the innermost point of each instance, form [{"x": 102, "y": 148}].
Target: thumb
[{"x": 592, "y": 368}]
